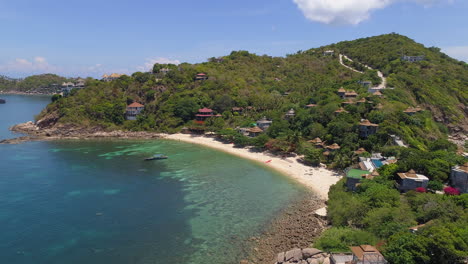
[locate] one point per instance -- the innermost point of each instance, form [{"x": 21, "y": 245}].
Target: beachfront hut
[
  {"x": 411, "y": 180},
  {"x": 255, "y": 131},
  {"x": 133, "y": 110}
]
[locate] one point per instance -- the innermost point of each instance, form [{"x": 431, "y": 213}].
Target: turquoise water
[{"x": 100, "y": 202}]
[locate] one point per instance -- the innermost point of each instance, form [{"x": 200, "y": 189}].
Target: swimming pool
[{"x": 377, "y": 163}]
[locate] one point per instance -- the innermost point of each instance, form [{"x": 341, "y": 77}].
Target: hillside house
[
  {"x": 411, "y": 180},
  {"x": 413, "y": 58},
  {"x": 340, "y": 110},
  {"x": 310, "y": 106},
  {"x": 329, "y": 53},
  {"x": 317, "y": 142},
  {"x": 133, "y": 110},
  {"x": 366, "y": 128},
  {"x": 366, "y": 83},
  {"x": 361, "y": 101},
  {"x": 459, "y": 177},
  {"x": 341, "y": 92},
  {"x": 203, "y": 114},
  {"x": 290, "y": 114},
  {"x": 360, "y": 151},
  {"x": 350, "y": 95},
  {"x": 348, "y": 102},
  {"x": 237, "y": 110},
  {"x": 412, "y": 110},
  {"x": 201, "y": 77},
  {"x": 264, "y": 123}
]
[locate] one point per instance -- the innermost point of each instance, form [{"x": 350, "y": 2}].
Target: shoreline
[
  {"x": 318, "y": 180},
  {"x": 23, "y": 93}
]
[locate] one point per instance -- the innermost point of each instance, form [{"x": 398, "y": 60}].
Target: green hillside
[{"x": 43, "y": 83}]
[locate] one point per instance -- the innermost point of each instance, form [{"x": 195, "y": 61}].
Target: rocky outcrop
[
  {"x": 296, "y": 227},
  {"x": 35, "y": 132},
  {"x": 303, "y": 256}
]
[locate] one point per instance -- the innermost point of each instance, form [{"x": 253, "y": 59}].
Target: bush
[
  {"x": 451, "y": 191},
  {"x": 338, "y": 239},
  {"x": 420, "y": 190}
]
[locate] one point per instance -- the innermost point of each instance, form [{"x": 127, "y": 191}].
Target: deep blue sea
[{"x": 99, "y": 202}]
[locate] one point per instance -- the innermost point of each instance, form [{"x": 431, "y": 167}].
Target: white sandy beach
[{"x": 318, "y": 180}]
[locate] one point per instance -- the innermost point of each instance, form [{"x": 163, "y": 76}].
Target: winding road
[{"x": 382, "y": 85}]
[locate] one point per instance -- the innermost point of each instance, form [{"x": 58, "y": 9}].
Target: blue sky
[{"x": 89, "y": 38}]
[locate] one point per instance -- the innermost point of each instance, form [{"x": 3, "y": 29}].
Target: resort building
[
  {"x": 366, "y": 84},
  {"x": 329, "y": 53},
  {"x": 264, "y": 123},
  {"x": 366, "y": 128},
  {"x": 290, "y": 114},
  {"x": 360, "y": 151},
  {"x": 348, "y": 102},
  {"x": 203, "y": 114},
  {"x": 340, "y": 258},
  {"x": 341, "y": 92},
  {"x": 412, "y": 110},
  {"x": 411, "y": 180},
  {"x": 164, "y": 71},
  {"x": 238, "y": 110},
  {"x": 354, "y": 178},
  {"x": 317, "y": 142},
  {"x": 201, "y": 77},
  {"x": 361, "y": 101},
  {"x": 367, "y": 254},
  {"x": 310, "y": 105},
  {"x": 459, "y": 177},
  {"x": 111, "y": 77},
  {"x": 133, "y": 110},
  {"x": 412, "y": 58},
  {"x": 254, "y": 131},
  {"x": 350, "y": 95},
  {"x": 340, "y": 110}
]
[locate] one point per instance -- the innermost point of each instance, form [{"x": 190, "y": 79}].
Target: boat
[
  {"x": 2, "y": 101},
  {"x": 157, "y": 157}
]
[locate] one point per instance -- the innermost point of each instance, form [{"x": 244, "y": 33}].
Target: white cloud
[
  {"x": 148, "y": 65},
  {"x": 35, "y": 66},
  {"x": 343, "y": 12},
  {"x": 457, "y": 52}
]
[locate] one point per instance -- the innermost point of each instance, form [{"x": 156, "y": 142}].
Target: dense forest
[{"x": 265, "y": 86}]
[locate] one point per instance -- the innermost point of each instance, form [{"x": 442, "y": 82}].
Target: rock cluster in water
[{"x": 303, "y": 256}]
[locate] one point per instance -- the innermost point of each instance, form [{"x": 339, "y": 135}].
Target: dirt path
[{"x": 382, "y": 85}]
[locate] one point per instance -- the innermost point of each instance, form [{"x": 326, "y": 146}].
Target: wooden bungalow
[{"x": 366, "y": 128}]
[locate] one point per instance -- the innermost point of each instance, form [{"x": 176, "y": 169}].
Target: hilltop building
[
  {"x": 411, "y": 180},
  {"x": 413, "y": 58},
  {"x": 366, "y": 128},
  {"x": 133, "y": 110},
  {"x": 459, "y": 177},
  {"x": 329, "y": 53}
]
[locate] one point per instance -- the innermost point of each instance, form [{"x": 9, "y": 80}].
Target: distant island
[{"x": 387, "y": 112}]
